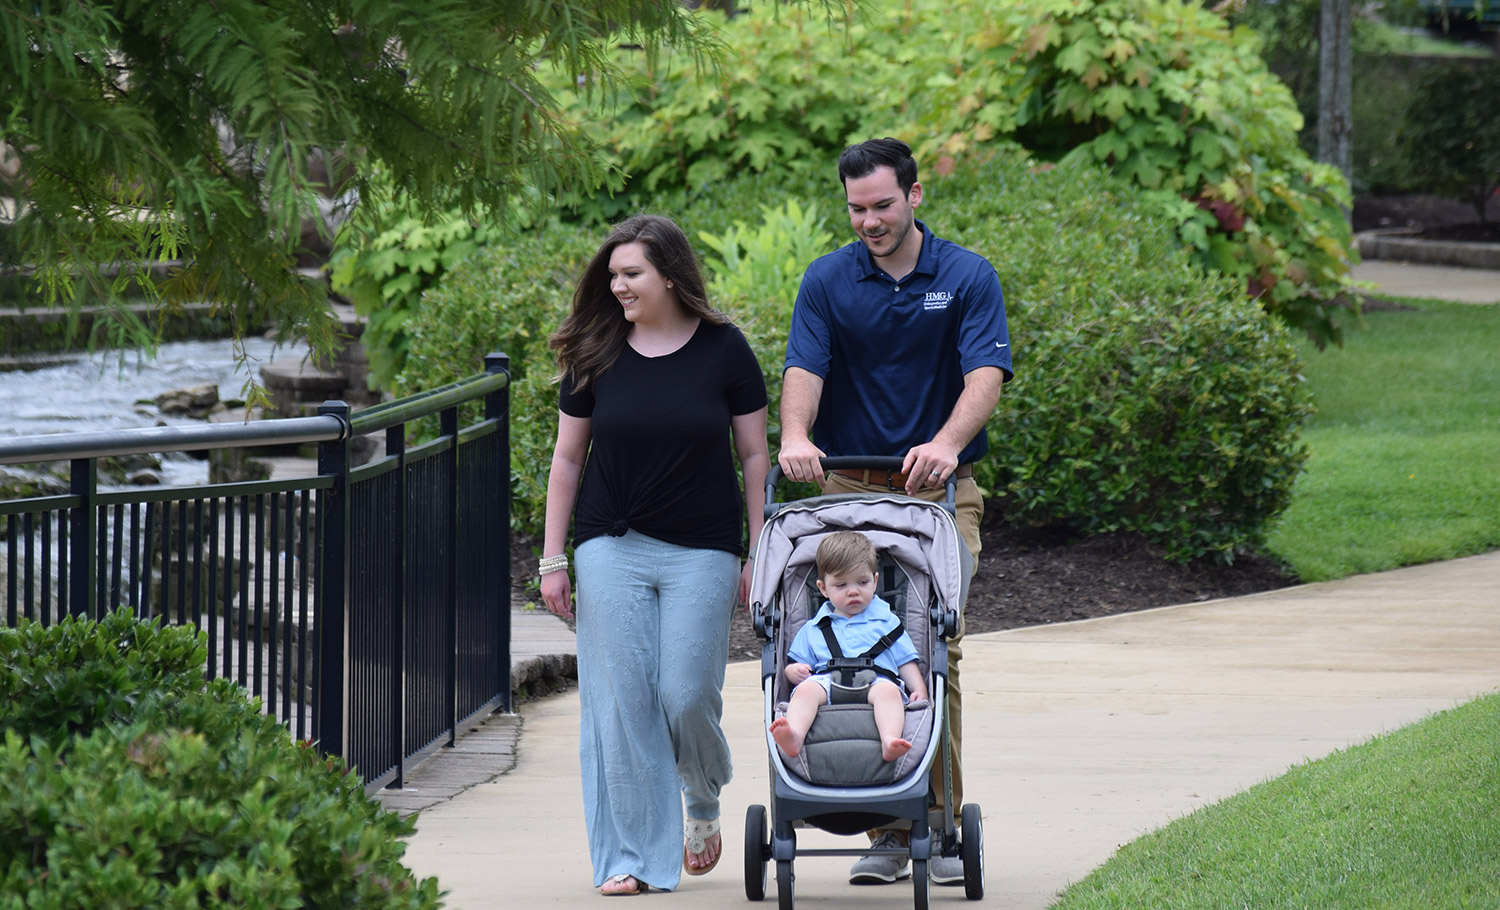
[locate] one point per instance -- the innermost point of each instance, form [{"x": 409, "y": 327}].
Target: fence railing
[{"x": 368, "y": 607}]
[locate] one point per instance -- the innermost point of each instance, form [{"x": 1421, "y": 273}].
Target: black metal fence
[{"x": 368, "y": 607}]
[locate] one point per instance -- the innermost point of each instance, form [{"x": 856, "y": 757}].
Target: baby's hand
[{"x": 795, "y": 673}]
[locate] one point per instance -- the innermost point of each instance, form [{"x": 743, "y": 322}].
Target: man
[{"x": 898, "y": 347}]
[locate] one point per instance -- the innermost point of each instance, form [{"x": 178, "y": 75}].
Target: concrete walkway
[
  {"x": 1446, "y": 282},
  {"x": 1080, "y": 737},
  {"x": 543, "y": 658}
]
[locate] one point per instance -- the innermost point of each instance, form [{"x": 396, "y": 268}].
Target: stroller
[{"x": 839, "y": 782}]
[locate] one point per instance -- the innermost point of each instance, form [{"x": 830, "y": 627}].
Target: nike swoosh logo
[{"x": 999, "y": 345}]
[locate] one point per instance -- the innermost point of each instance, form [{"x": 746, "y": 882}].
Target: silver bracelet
[{"x": 549, "y": 564}]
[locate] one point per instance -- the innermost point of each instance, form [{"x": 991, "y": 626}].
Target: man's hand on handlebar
[{"x": 799, "y": 461}]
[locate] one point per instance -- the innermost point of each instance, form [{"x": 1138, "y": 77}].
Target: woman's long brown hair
[{"x": 592, "y": 337}]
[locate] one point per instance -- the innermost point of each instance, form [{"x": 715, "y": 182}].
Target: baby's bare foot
[
  {"x": 787, "y": 738},
  {"x": 895, "y": 749}
]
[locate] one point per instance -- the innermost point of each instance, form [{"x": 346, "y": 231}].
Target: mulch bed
[{"x": 1036, "y": 576}]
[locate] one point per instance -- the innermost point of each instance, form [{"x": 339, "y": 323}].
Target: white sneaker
[{"x": 883, "y": 868}]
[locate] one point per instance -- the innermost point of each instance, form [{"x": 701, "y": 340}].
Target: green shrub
[
  {"x": 1163, "y": 93},
  {"x": 1381, "y": 94},
  {"x": 384, "y": 270},
  {"x": 1160, "y": 91},
  {"x": 1177, "y": 417},
  {"x": 755, "y": 270},
  {"x": 777, "y": 101},
  {"x": 1453, "y": 127},
  {"x": 137, "y": 785},
  {"x": 201, "y": 803},
  {"x": 507, "y": 298},
  {"x": 719, "y": 207},
  {"x": 73, "y": 677},
  {"x": 766, "y": 260},
  {"x": 1149, "y": 395}
]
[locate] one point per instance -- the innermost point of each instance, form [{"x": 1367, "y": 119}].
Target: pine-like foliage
[{"x": 210, "y": 132}]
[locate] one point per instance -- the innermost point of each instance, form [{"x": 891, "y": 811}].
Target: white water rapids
[{"x": 108, "y": 390}]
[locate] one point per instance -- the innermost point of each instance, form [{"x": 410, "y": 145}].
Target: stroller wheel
[
  {"x": 972, "y": 845},
  {"x": 921, "y": 884},
  {"x": 784, "y": 879},
  {"x": 757, "y": 852}
]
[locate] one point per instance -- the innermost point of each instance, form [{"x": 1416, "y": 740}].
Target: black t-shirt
[{"x": 661, "y": 460}]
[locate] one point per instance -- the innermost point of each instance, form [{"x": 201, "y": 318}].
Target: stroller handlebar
[{"x": 857, "y": 462}]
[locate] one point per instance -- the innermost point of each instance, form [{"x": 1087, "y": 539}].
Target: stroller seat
[{"x": 843, "y": 746}]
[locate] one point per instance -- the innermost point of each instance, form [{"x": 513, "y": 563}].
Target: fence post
[
  {"x": 395, "y": 447},
  {"x": 497, "y": 408},
  {"x": 448, "y": 428},
  {"x": 331, "y": 593},
  {"x": 84, "y": 527}
]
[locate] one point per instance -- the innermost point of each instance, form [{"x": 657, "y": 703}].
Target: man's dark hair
[{"x": 861, "y": 161}]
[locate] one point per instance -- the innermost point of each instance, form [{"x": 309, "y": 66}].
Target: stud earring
[{"x": 669, "y": 284}]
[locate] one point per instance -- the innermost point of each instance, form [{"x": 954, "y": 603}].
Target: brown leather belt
[{"x": 892, "y": 480}]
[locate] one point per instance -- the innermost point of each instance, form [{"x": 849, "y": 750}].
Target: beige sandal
[
  {"x": 639, "y": 886},
  {"x": 697, "y": 832}
]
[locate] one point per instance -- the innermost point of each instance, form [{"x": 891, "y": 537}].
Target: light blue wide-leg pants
[{"x": 653, "y": 639}]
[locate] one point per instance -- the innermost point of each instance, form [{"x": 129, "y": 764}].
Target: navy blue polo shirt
[{"x": 892, "y": 355}]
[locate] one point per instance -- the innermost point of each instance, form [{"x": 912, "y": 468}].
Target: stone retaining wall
[
  {"x": 296, "y": 388},
  {"x": 50, "y": 330},
  {"x": 1399, "y": 244}
]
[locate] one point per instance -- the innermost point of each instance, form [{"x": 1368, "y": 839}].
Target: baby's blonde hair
[{"x": 843, "y": 551}]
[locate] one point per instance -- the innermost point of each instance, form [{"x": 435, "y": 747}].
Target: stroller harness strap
[{"x": 845, "y": 668}]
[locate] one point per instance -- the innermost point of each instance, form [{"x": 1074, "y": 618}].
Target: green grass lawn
[
  {"x": 1405, "y": 468},
  {"x": 1405, "y": 447},
  {"x": 1383, "y": 38},
  {"x": 1410, "y": 819}
]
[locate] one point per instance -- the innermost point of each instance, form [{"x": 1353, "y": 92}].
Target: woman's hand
[
  {"x": 557, "y": 593},
  {"x": 744, "y": 592}
]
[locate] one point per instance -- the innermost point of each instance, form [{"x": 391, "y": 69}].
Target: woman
[{"x": 655, "y": 384}]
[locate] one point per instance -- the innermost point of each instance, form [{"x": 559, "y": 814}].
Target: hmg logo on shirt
[{"x": 936, "y": 300}]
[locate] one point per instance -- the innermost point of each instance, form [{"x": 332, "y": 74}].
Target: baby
[{"x": 846, "y": 576}]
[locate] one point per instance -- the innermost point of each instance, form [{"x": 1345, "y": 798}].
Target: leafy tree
[
  {"x": 1336, "y": 87},
  {"x": 1453, "y": 125},
  {"x": 1384, "y": 70},
  {"x": 210, "y": 133}
]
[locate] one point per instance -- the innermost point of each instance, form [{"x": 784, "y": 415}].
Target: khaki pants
[{"x": 969, "y": 509}]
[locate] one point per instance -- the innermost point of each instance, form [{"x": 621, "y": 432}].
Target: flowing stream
[{"x": 111, "y": 390}]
